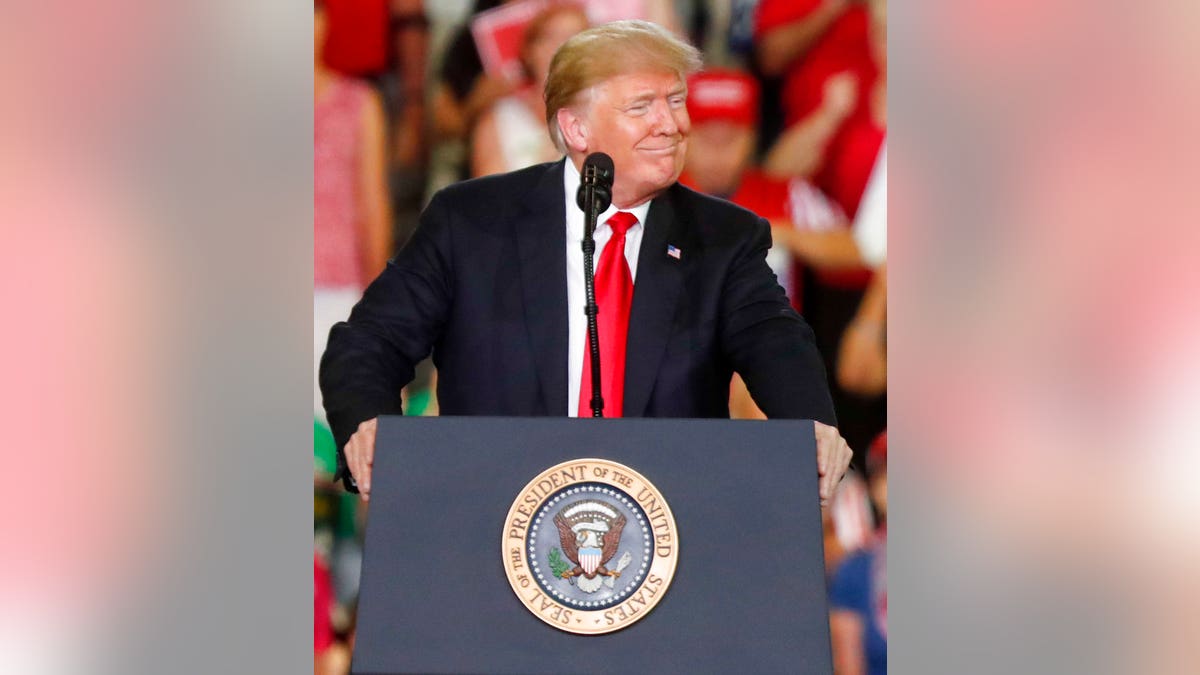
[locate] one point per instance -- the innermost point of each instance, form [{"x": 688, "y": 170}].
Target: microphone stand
[{"x": 591, "y": 213}]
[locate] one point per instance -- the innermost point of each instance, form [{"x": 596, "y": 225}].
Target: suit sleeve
[
  {"x": 769, "y": 345},
  {"x": 373, "y": 355}
]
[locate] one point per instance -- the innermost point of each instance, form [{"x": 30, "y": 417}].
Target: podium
[{"x": 748, "y": 593}]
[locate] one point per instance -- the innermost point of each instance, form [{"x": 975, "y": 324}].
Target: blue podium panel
[{"x": 748, "y": 593}]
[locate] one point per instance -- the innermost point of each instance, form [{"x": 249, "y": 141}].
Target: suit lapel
[
  {"x": 541, "y": 246},
  {"x": 655, "y": 294}
]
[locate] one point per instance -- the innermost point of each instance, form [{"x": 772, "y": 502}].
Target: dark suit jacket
[{"x": 482, "y": 284}]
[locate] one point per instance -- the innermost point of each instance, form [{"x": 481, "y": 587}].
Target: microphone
[
  {"x": 593, "y": 197},
  {"x": 597, "y": 174}
]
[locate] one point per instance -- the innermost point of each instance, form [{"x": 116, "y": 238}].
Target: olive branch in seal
[{"x": 557, "y": 565}]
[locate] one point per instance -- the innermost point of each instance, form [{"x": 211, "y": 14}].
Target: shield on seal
[{"x": 589, "y": 559}]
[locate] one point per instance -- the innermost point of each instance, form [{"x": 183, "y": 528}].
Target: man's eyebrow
[{"x": 644, "y": 96}]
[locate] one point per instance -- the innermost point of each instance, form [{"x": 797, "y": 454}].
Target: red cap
[{"x": 724, "y": 95}]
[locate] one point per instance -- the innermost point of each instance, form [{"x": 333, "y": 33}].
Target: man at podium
[{"x": 492, "y": 282}]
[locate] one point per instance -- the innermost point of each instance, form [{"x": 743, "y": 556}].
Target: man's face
[
  {"x": 721, "y": 153},
  {"x": 641, "y": 121}
]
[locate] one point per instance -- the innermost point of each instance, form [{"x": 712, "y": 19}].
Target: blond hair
[{"x": 597, "y": 54}]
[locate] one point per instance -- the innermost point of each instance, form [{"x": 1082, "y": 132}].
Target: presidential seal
[{"x": 590, "y": 546}]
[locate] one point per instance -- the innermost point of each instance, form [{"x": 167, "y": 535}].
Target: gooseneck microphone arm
[{"x": 593, "y": 197}]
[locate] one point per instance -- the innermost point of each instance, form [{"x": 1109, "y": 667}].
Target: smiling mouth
[{"x": 661, "y": 151}]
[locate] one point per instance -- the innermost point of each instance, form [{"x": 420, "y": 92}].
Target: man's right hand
[{"x": 360, "y": 455}]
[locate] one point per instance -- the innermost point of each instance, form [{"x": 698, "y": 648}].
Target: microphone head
[
  {"x": 598, "y": 168},
  {"x": 598, "y": 174}
]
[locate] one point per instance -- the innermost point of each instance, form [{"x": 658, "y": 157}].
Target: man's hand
[
  {"x": 360, "y": 455},
  {"x": 833, "y": 458}
]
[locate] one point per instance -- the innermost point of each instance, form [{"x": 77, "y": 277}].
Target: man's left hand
[{"x": 833, "y": 458}]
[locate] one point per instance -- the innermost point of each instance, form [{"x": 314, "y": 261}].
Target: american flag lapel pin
[{"x": 673, "y": 252}]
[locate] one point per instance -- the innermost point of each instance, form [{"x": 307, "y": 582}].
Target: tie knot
[{"x": 621, "y": 222}]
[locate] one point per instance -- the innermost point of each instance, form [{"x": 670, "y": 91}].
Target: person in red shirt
[
  {"x": 723, "y": 106},
  {"x": 352, "y": 218},
  {"x": 807, "y": 41},
  {"x": 832, "y": 56},
  {"x": 815, "y": 256},
  {"x": 808, "y": 228}
]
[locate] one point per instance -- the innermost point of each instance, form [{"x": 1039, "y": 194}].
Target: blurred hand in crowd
[
  {"x": 840, "y": 94},
  {"x": 862, "y": 360},
  {"x": 452, "y": 119},
  {"x": 862, "y": 355}
]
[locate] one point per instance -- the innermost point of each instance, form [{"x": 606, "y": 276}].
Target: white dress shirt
[{"x": 576, "y": 319}]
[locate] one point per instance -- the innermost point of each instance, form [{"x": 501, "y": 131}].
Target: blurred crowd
[{"x": 788, "y": 119}]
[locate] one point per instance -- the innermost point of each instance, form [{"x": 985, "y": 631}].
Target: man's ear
[{"x": 574, "y": 129}]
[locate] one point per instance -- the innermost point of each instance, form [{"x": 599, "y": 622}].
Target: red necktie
[{"x": 614, "y": 295}]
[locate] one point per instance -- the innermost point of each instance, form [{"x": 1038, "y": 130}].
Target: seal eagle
[{"x": 589, "y": 532}]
